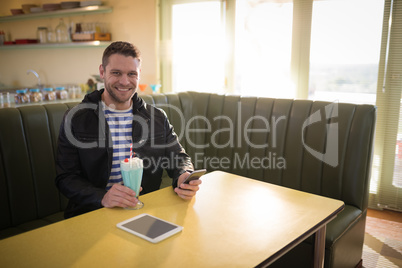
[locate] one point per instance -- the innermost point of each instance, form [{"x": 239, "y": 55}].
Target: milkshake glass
[{"x": 131, "y": 171}]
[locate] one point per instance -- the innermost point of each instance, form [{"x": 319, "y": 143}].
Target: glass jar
[
  {"x": 62, "y": 34},
  {"x": 49, "y": 94},
  {"x": 61, "y": 93},
  {"x": 35, "y": 95},
  {"x": 6, "y": 99},
  {"x": 51, "y": 36},
  {"x": 74, "y": 92},
  {"x": 78, "y": 92},
  {"x": 41, "y": 34},
  {"x": 21, "y": 96},
  {"x": 71, "y": 91}
]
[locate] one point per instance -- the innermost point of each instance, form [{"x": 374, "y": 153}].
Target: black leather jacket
[{"x": 84, "y": 154}]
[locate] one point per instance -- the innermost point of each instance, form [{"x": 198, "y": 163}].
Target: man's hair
[{"x": 123, "y": 48}]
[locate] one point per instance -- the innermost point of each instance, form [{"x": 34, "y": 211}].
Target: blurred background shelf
[
  {"x": 57, "y": 45},
  {"x": 58, "y": 13}
]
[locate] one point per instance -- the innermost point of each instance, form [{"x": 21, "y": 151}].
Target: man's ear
[{"x": 101, "y": 71}]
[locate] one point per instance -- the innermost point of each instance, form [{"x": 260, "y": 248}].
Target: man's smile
[{"x": 123, "y": 89}]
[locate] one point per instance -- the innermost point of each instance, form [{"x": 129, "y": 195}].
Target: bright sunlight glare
[
  {"x": 263, "y": 49},
  {"x": 197, "y": 41}
]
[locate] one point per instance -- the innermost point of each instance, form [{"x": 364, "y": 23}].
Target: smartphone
[{"x": 195, "y": 175}]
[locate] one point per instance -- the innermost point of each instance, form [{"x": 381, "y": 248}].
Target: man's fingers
[
  {"x": 119, "y": 196},
  {"x": 123, "y": 189},
  {"x": 186, "y": 193}
]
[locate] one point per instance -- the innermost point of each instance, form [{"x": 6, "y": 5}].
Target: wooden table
[{"x": 232, "y": 222}]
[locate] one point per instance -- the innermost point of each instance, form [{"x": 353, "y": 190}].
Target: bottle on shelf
[
  {"x": 62, "y": 33},
  {"x": 51, "y": 36},
  {"x": 41, "y": 34},
  {"x": 2, "y": 38}
]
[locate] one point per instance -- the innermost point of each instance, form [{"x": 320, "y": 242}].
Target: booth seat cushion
[
  {"x": 31, "y": 225},
  {"x": 28, "y": 140},
  {"x": 338, "y": 226}
]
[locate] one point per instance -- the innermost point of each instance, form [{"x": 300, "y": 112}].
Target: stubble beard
[{"x": 115, "y": 97}]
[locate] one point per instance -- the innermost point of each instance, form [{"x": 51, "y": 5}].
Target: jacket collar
[{"x": 96, "y": 97}]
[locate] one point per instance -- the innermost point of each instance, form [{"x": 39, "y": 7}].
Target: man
[{"x": 96, "y": 135}]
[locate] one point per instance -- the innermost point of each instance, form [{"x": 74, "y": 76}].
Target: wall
[{"x": 130, "y": 20}]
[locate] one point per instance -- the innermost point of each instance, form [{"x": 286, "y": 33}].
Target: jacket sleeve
[
  {"x": 70, "y": 179},
  {"x": 177, "y": 154}
]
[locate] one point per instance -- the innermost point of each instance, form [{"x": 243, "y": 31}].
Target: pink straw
[{"x": 131, "y": 154}]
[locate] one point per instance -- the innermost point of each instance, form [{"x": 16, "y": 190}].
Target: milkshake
[{"x": 131, "y": 171}]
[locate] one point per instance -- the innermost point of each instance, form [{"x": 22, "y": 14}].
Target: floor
[{"x": 383, "y": 239}]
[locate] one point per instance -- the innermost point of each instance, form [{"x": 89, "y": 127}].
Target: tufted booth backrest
[
  {"x": 28, "y": 138},
  {"x": 267, "y": 139},
  {"x": 234, "y": 136}
]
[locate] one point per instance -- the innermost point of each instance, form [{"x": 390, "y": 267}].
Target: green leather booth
[{"x": 281, "y": 141}]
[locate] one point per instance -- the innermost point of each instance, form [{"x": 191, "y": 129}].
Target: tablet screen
[{"x": 149, "y": 227}]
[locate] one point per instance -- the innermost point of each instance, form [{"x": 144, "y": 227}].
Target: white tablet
[{"x": 149, "y": 227}]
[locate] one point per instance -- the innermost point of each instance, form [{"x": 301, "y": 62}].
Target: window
[
  {"x": 197, "y": 40},
  {"x": 263, "y": 40},
  {"x": 345, "y": 50},
  {"x": 385, "y": 188}
]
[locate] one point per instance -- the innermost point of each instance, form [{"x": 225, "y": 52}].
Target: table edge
[{"x": 300, "y": 239}]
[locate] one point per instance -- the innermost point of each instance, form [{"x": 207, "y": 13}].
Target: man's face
[{"x": 121, "y": 76}]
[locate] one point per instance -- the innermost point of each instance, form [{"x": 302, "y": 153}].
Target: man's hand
[
  {"x": 187, "y": 191},
  {"x": 119, "y": 196}
]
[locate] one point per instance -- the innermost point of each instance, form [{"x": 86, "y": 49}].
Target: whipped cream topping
[{"x": 134, "y": 163}]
